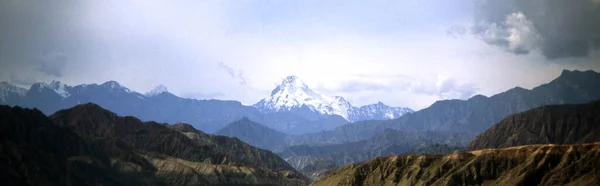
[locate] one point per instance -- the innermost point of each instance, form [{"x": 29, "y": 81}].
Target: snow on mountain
[
  {"x": 56, "y": 86},
  {"x": 293, "y": 93},
  {"x": 7, "y": 89},
  {"x": 114, "y": 86},
  {"x": 157, "y": 90},
  {"x": 378, "y": 111}
]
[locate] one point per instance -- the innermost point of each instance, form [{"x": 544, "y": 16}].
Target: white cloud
[{"x": 516, "y": 34}]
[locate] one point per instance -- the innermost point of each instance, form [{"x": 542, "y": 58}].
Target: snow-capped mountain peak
[
  {"x": 7, "y": 89},
  {"x": 294, "y": 93},
  {"x": 56, "y": 86},
  {"x": 115, "y": 86},
  {"x": 157, "y": 90}
]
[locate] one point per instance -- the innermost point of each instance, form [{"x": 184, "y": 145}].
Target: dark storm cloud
[{"x": 559, "y": 28}]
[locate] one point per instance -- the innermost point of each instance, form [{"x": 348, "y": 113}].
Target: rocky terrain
[
  {"x": 87, "y": 145},
  {"x": 522, "y": 165},
  {"x": 542, "y": 161},
  {"x": 551, "y": 124}
]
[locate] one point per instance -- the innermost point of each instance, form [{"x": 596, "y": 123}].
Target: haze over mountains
[{"x": 304, "y": 110}]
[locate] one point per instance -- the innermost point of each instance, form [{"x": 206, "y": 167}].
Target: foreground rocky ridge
[
  {"x": 522, "y": 165},
  {"x": 88, "y": 145}
]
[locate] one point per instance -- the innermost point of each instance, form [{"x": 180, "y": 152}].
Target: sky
[{"x": 403, "y": 53}]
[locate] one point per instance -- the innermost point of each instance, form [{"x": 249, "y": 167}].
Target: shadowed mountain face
[
  {"x": 35, "y": 151},
  {"x": 552, "y": 124},
  {"x": 523, "y": 165},
  {"x": 87, "y": 145}
]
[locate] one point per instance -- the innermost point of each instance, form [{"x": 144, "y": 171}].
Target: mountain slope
[
  {"x": 292, "y": 93},
  {"x": 254, "y": 133},
  {"x": 551, "y": 124},
  {"x": 93, "y": 120},
  {"x": 87, "y": 145},
  {"x": 390, "y": 142},
  {"x": 474, "y": 115},
  {"x": 523, "y": 165},
  {"x": 35, "y": 151},
  {"x": 11, "y": 94}
]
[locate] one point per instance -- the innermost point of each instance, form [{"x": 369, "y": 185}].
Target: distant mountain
[
  {"x": 11, "y": 94},
  {"x": 156, "y": 105},
  {"x": 551, "y": 124},
  {"x": 254, "y": 133},
  {"x": 377, "y": 111},
  {"x": 387, "y": 143},
  {"x": 161, "y": 105},
  {"x": 524, "y": 165},
  {"x": 157, "y": 90},
  {"x": 474, "y": 115},
  {"x": 292, "y": 93}
]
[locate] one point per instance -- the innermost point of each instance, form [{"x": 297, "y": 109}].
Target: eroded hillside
[{"x": 522, "y": 165}]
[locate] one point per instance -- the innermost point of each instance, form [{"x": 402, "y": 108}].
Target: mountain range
[
  {"x": 88, "y": 145},
  {"x": 449, "y": 122},
  {"x": 208, "y": 115},
  {"x": 548, "y": 145},
  {"x": 471, "y": 116}
]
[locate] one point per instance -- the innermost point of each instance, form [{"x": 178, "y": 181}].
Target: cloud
[
  {"x": 558, "y": 28},
  {"x": 23, "y": 80},
  {"x": 361, "y": 86},
  {"x": 445, "y": 88},
  {"x": 52, "y": 63},
  {"x": 200, "y": 95},
  {"x": 456, "y": 31},
  {"x": 516, "y": 34},
  {"x": 239, "y": 75},
  {"x": 451, "y": 89},
  {"x": 440, "y": 87}
]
